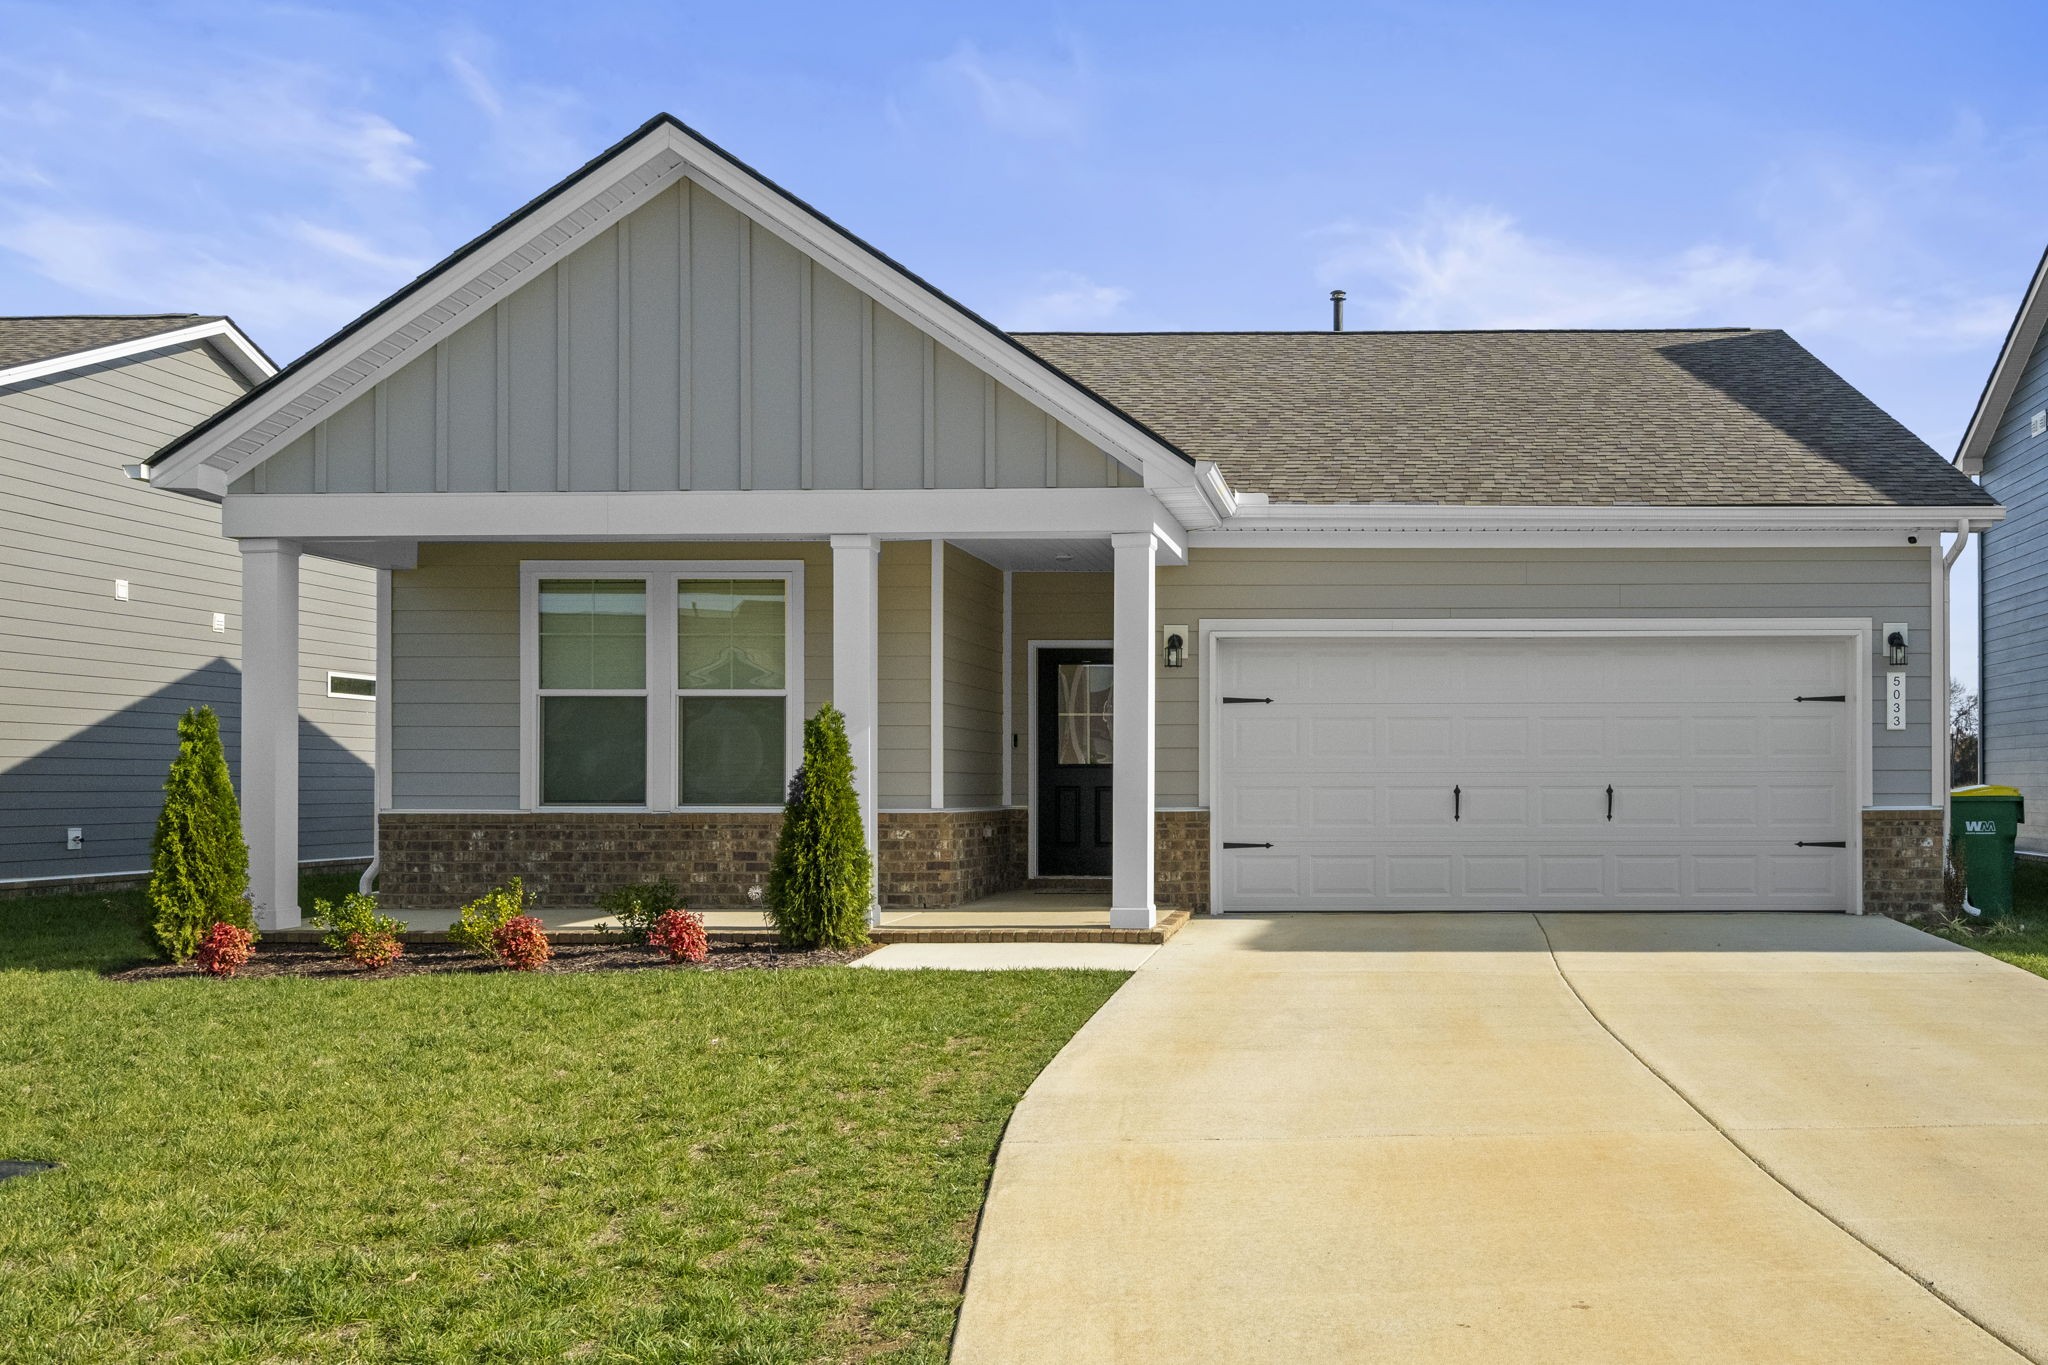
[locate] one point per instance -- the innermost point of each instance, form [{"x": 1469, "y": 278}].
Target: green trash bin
[{"x": 1985, "y": 822}]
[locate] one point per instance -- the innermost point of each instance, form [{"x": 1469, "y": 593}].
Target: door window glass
[{"x": 1087, "y": 727}]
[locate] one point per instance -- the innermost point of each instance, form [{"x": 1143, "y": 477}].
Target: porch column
[
  {"x": 1130, "y": 894},
  {"x": 856, "y": 624},
  {"x": 270, "y": 728}
]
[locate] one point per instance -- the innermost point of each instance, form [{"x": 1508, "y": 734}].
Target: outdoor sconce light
[
  {"x": 1175, "y": 654},
  {"x": 1895, "y": 648}
]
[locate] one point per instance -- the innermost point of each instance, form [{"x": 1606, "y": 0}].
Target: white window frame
[
  {"x": 369, "y": 678},
  {"x": 660, "y": 577}
]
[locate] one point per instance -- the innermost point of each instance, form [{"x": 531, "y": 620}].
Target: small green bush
[
  {"x": 198, "y": 864},
  {"x": 822, "y": 881},
  {"x": 476, "y": 928},
  {"x": 357, "y": 931},
  {"x": 638, "y": 905}
]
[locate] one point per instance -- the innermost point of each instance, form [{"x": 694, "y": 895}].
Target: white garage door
[{"x": 1506, "y": 774}]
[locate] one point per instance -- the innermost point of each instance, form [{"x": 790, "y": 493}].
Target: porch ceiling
[{"x": 1044, "y": 556}]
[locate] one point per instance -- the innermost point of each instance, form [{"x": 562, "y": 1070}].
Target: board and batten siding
[
  {"x": 1882, "y": 584},
  {"x": 455, "y": 659},
  {"x": 91, "y": 687},
  {"x": 973, "y": 681},
  {"x": 2013, "y": 601},
  {"x": 686, "y": 348}
]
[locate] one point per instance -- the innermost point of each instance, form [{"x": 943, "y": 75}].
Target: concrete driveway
[{"x": 1571, "y": 1138}]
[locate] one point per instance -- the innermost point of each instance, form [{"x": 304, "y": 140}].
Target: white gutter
[{"x": 1412, "y": 517}]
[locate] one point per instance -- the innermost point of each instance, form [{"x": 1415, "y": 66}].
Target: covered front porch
[{"x": 930, "y": 646}]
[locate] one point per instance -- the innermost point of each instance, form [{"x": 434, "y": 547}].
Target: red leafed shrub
[
  {"x": 680, "y": 935},
  {"x": 373, "y": 947},
  {"x": 224, "y": 949},
  {"x": 521, "y": 944}
]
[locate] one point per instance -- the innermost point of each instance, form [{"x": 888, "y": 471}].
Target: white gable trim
[
  {"x": 2020, "y": 341},
  {"x": 223, "y": 336},
  {"x": 592, "y": 202}
]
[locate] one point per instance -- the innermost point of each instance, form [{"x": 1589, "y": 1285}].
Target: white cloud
[
  {"x": 1823, "y": 262},
  {"x": 531, "y": 125},
  {"x": 1014, "y": 96},
  {"x": 1066, "y": 301}
]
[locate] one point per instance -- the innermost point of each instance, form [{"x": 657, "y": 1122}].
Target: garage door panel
[{"x": 1716, "y": 774}]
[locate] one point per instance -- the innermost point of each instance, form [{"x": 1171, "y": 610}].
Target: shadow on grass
[{"x": 104, "y": 931}]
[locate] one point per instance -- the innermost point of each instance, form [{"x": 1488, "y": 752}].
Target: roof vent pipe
[{"x": 1336, "y": 310}]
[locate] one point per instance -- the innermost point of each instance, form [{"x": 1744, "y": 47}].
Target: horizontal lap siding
[
  {"x": 1883, "y": 585},
  {"x": 2014, "y": 585},
  {"x": 904, "y": 666},
  {"x": 974, "y": 681},
  {"x": 455, "y": 660},
  {"x": 91, "y": 687},
  {"x": 685, "y": 348}
]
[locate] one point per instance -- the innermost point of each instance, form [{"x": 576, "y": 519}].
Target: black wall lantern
[
  {"x": 1895, "y": 648},
  {"x": 1176, "y": 653}
]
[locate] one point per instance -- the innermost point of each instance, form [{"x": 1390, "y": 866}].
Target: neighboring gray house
[
  {"x": 120, "y": 607},
  {"x": 2006, "y": 449},
  {"x": 1271, "y": 622}
]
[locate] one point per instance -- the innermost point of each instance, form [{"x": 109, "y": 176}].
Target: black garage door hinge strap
[
  {"x": 1228, "y": 844},
  {"x": 1822, "y": 843},
  {"x": 1834, "y": 698},
  {"x": 1247, "y": 701}
]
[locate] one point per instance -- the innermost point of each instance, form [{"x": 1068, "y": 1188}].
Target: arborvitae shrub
[
  {"x": 822, "y": 882},
  {"x": 198, "y": 864}
]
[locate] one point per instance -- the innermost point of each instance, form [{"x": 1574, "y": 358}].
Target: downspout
[{"x": 1947, "y": 773}]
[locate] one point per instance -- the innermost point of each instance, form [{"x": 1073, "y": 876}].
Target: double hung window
[{"x": 659, "y": 687}]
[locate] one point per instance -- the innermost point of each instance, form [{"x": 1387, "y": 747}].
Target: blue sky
[{"x": 1872, "y": 177}]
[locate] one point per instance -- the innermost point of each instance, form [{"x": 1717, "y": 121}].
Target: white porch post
[
  {"x": 856, "y": 687},
  {"x": 270, "y": 728},
  {"x": 1131, "y": 882}
]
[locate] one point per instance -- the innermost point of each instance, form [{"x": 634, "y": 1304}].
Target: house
[
  {"x": 1275, "y": 621},
  {"x": 123, "y": 607},
  {"x": 2004, "y": 448}
]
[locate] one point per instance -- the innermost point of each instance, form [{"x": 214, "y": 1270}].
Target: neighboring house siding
[
  {"x": 91, "y": 687},
  {"x": 1048, "y": 606},
  {"x": 1884, "y": 585},
  {"x": 455, "y": 660},
  {"x": 974, "y": 681},
  {"x": 686, "y": 348},
  {"x": 2013, "y": 565}
]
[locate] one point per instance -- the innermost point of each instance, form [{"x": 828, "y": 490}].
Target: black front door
[{"x": 1076, "y": 731}]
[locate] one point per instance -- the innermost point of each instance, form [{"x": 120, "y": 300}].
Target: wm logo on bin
[{"x": 1980, "y": 827}]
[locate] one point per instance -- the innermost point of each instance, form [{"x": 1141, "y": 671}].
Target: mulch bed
[{"x": 427, "y": 959}]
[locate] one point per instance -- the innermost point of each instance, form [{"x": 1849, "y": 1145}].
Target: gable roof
[
  {"x": 2020, "y": 340},
  {"x": 1688, "y": 418},
  {"x": 646, "y": 161},
  {"x": 39, "y": 346}
]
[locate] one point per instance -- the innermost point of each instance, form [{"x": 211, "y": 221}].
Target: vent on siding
[{"x": 2039, "y": 423}]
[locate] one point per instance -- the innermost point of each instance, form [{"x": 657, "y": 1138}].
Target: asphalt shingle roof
[
  {"x": 24, "y": 341},
  {"x": 1690, "y": 418}
]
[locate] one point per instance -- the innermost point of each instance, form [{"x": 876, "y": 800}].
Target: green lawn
[
  {"x": 635, "y": 1166},
  {"x": 2023, "y": 939}
]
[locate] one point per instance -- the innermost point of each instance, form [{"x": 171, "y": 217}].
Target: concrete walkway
[{"x": 1430, "y": 1138}]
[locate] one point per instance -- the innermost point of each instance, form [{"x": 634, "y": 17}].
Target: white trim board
[
  {"x": 661, "y": 576},
  {"x": 221, "y": 334},
  {"x": 1030, "y": 802},
  {"x": 1854, "y": 633}
]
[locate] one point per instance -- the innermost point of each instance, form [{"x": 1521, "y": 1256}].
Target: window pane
[
  {"x": 730, "y": 751},
  {"x": 1086, "y": 731},
  {"x": 593, "y": 751},
  {"x": 729, "y": 633},
  {"x": 593, "y": 633}
]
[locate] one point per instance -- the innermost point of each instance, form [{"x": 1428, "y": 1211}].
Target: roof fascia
[
  {"x": 1412, "y": 518},
  {"x": 661, "y": 153},
  {"x": 2020, "y": 340},
  {"x": 220, "y": 334}
]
